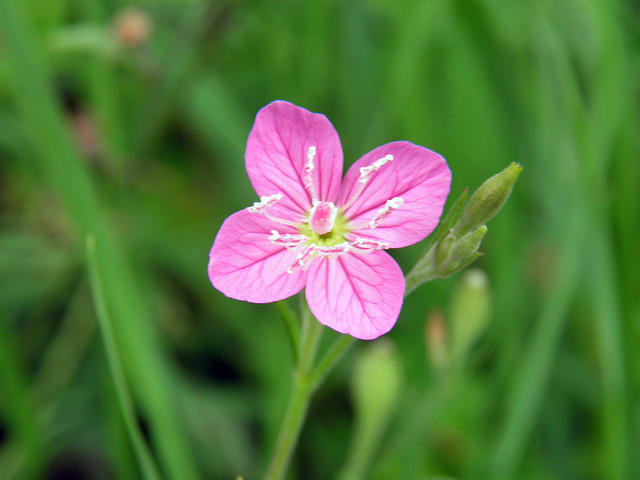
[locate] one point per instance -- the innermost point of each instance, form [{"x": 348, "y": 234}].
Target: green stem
[
  {"x": 417, "y": 276},
  {"x": 300, "y": 395},
  {"x": 330, "y": 359},
  {"x": 292, "y": 326},
  {"x": 311, "y": 333},
  {"x": 291, "y": 426}
]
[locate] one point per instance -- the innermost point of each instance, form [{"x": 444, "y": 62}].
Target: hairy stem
[
  {"x": 300, "y": 395},
  {"x": 291, "y": 426}
]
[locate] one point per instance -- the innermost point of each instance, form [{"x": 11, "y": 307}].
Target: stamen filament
[
  {"x": 384, "y": 212},
  {"x": 366, "y": 173},
  {"x": 265, "y": 202},
  {"x": 303, "y": 259},
  {"x": 356, "y": 245},
  {"x": 365, "y": 245},
  {"x": 287, "y": 240},
  {"x": 333, "y": 250},
  {"x": 281, "y": 221}
]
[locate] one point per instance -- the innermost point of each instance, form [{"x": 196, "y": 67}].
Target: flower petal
[
  {"x": 356, "y": 294},
  {"x": 278, "y": 151},
  {"x": 245, "y": 265},
  {"x": 417, "y": 175}
]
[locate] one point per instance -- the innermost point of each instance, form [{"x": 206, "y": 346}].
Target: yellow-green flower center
[{"x": 335, "y": 237}]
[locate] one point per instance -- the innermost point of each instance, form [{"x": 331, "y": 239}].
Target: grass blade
[
  {"x": 147, "y": 465},
  {"x": 64, "y": 172}
]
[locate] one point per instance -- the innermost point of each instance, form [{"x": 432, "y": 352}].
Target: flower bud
[
  {"x": 469, "y": 312},
  {"x": 132, "y": 26},
  {"x": 444, "y": 248},
  {"x": 435, "y": 338},
  {"x": 488, "y": 199},
  {"x": 376, "y": 383},
  {"x": 464, "y": 251}
]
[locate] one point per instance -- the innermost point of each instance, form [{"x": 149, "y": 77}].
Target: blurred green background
[{"x": 129, "y": 121}]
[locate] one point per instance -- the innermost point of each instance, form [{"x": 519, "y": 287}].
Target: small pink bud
[
  {"x": 435, "y": 336},
  {"x": 132, "y": 26}
]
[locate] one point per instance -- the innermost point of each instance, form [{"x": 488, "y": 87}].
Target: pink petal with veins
[
  {"x": 244, "y": 264},
  {"x": 356, "y": 294},
  {"x": 278, "y": 151},
  {"x": 416, "y": 174}
]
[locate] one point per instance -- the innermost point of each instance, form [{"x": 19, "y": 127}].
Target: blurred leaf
[
  {"x": 218, "y": 420},
  {"x": 25, "y": 257},
  {"x": 88, "y": 38}
]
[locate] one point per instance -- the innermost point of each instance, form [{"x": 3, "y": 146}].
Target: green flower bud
[
  {"x": 376, "y": 382},
  {"x": 376, "y": 385},
  {"x": 464, "y": 251},
  {"x": 488, "y": 199},
  {"x": 436, "y": 339},
  {"x": 448, "y": 221},
  {"x": 469, "y": 312},
  {"x": 444, "y": 248}
]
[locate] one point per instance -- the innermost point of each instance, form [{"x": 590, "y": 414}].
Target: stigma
[{"x": 322, "y": 217}]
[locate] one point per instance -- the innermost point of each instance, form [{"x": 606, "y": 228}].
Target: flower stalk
[
  {"x": 291, "y": 426},
  {"x": 306, "y": 379}
]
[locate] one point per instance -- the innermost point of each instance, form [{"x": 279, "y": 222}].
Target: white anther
[
  {"x": 263, "y": 205},
  {"x": 391, "y": 204},
  {"x": 303, "y": 259},
  {"x": 395, "y": 202},
  {"x": 309, "y": 252},
  {"x": 288, "y": 240},
  {"x": 333, "y": 250},
  {"x": 366, "y": 172},
  {"x": 265, "y": 202},
  {"x": 365, "y": 175},
  {"x": 311, "y": 154},
  {"x": 309, "y": 166},
  {"x": 365, "y": 245}
]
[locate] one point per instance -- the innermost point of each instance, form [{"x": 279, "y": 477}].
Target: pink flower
[{"x": 310, "y": 229}]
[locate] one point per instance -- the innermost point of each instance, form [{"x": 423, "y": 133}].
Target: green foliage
[{"x": 142, "y": 144}]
